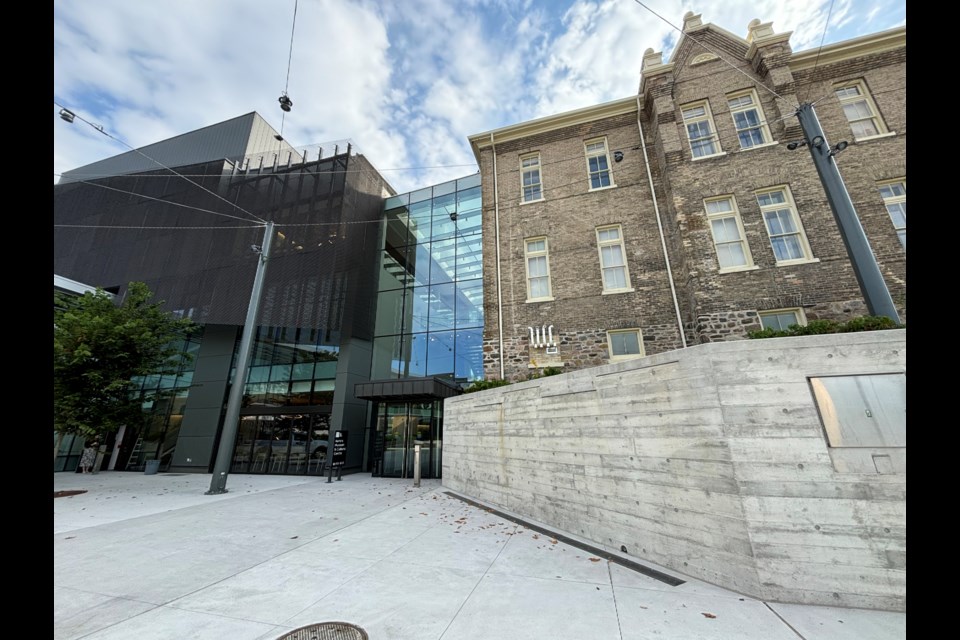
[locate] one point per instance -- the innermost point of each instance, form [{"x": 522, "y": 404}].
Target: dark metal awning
[{"x": 407, "y": 389}]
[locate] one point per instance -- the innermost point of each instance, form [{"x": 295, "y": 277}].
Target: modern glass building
[
  {"x": 362, "y": 287},
  {"x": 428, "y": 336}
]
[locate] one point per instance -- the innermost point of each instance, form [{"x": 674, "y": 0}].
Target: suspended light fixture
[
  {"x": 66, "y": 115},
  {"x": 285, "y": 102}
]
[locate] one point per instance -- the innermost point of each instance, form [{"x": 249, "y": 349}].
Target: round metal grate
[{"x": 327, "y": 631}]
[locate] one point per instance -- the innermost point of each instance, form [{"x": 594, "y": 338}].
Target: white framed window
[
  {"x": 538, "y": 269},
  {"x": 598, "y": 164},
  {"x": 532, "y": 189},
  {"x": 613, "y": 259},
  {"x": 748, "y": 119},
  {"x": 625, "y": 344},
  {"x": 787, "y": 238},
  {"x": 894, "y": 196},
  {"x": 860, "y": 110},
  {"x": 782, "y": 319},
  {"x": 733, "y": 252},
  {"x": 700, "y": 130}
]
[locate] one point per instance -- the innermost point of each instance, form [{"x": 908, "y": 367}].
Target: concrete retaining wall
[{"x": 711, "y": 461}]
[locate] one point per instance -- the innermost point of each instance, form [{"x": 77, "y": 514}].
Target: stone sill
[
  {"x": 889, "y": 134},
  {"x": 738, "y": 269},
  {"x": 716, "y": 155},
  {"x": 616, "y": 291},
  {"x": 529, "y": 300},
  {"x": 790, "y": 263}
]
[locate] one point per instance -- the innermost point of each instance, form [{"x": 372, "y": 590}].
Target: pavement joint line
[
  {"x": 790, "y": 626},
  {"x": 486, "y": 571},
  {"x": 597, "y": 551},
  {"x": 616, "y": 608}
]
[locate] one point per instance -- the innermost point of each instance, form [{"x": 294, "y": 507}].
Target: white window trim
[
  {"x": 888, "y": 134},
  {"x": 791, "y": 204},
  {"x": 629, "y": 356},
  {"x": 735, "y": 214},
  {"x": 765, "y": 130},
  {"x": 708, "y": 116},
  {"x": 801, "y": 316},
  {"x": 894, "y": 200},
  {"x": 865, "y": 95},
  {"x": 623, "y": 250},
  {"x": 526, "y": 266},
  {"x": 527, "y": 156},
  {"x": 606, "y": 154}
]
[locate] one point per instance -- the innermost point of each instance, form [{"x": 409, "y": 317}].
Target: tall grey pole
[
  {"x": 865, "y": 266},
  {"x": 218, "y": 483}
]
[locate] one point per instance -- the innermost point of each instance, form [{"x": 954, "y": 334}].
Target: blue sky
[{"x": 406, "y": 82}]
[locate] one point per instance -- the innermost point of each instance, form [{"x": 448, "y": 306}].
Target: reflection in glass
[
  {"x": 414, "y": 355},
  {"x": 448, "y": 250},
  {"x": 440, "y": 354},
  {"x": 469, "y": 354},
  {"x": 469, "y": 301},
  {"x": 442, "y": 302}
]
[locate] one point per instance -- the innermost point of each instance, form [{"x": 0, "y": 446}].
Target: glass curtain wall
[
  {"x": 287, "y": 401},
  {"x": 430, "y": 297},
  {"x": 163, "y": 401}
]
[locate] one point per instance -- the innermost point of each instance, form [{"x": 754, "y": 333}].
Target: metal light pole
[
  {"x": 218, "y": 483},
  {"x": 865, "y": 266}
]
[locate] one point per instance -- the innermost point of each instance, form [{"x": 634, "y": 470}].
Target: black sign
[{"x": 339, "y": 448}]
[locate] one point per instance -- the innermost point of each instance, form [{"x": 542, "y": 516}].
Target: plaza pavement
[{"x": 151, "y": 557}]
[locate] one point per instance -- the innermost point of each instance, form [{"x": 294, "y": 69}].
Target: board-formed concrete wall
[{"x": 710, "y": 460}]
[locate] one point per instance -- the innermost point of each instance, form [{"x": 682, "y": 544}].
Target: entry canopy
[{"x": 407, "y": 389}]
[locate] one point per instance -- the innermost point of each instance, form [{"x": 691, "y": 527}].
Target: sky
[{"x": 405, "y": 82}]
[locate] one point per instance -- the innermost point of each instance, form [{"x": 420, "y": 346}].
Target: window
[
  {"x": 530, "y": 175},
  {"x": 782, "y": 319},
  {"x": 625, "y": 344},
  {"x": 613, "y": 263},
  {"x": 733, "y": 252},
  {"x": 787, "y": 238},
  {"x": 894, "y": 196},
  {"x": 748, "y": 119},
  {"x": 700, "y": 130},
  {"x": 860, "y": 111},
  {"x": 538, "y": 269},
  {"x": 598, "y": 164}
]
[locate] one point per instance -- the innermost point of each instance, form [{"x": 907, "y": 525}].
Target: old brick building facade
[{"x": 679, "y": 216}]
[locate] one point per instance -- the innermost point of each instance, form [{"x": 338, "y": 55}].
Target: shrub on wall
[
  {"x": 820, "y": 327},
  {"x": 481, "y": 385}
]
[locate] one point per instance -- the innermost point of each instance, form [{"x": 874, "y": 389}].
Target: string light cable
[
  {"x": 101, "y": 129},
  {"x": 146, "y": 197}
]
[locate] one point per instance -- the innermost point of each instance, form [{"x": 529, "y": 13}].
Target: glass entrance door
[{"x": 401, "y": 426}]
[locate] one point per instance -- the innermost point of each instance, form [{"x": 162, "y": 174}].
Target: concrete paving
[{"x": 146, "y": 557}]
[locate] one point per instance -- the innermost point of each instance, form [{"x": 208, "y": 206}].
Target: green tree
[{"x": 98, "y": 350}]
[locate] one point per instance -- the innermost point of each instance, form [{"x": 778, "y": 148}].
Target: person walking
[{"x": 89, "y": 457}]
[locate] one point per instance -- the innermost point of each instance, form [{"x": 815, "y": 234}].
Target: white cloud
[{"x": 405, "y": 82}]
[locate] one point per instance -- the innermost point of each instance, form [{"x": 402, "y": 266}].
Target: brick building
[{"x": 679, "y": 216}]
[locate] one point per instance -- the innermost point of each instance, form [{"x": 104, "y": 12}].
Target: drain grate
[{"x": 327, "y": 631}]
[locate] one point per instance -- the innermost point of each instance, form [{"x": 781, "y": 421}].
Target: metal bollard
[{"x": 416, "y": 465}]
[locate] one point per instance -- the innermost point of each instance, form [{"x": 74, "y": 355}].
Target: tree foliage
[{"x": 98, "y": 350}]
